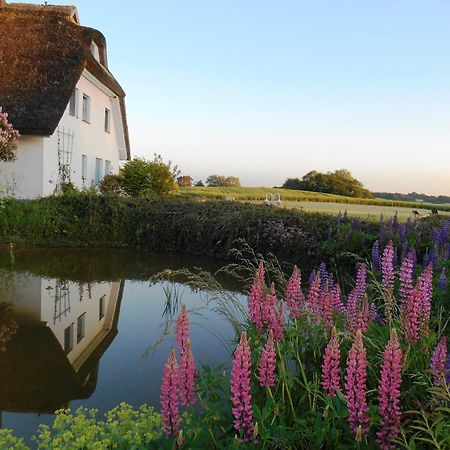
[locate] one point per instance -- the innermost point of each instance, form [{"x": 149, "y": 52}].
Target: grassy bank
[
  {"x": 177, "y": 225},
  {"x": 259, "y": 194}
]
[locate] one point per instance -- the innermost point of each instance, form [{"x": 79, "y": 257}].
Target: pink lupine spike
[
  {"x": 276, "y": 324},
  {"x": 314, "y": 293},
  {"x": 406, "y": 277},
  {"x": 337, "y": 300},
  {"x": 330, "y": 368},
  {"x": 387, "y": 268},
  {"x": 240, "y": 389},
  {"x": 294, "y": 295},
  {"x": 256, "y": 298},
  {"x": 389, "y": 394},
  {"x": 187, "y": 377},
  {"x": 270, "y": 301},
  {"x": 182, "y": 330},
  {"x": 360, "y": 286},
  {"x": 425, "y": 285},
  {"x": 412, "y": 311},
  {"x": 356, "y": 389},
  {"x": 438, "y": 362},
  {"x": 326, "y": 309},
  {"x": 266, "y": 369},
  {"x": 169, "y": 397}
]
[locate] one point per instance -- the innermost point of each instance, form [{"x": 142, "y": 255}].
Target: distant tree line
[
  {"x": 340, "y": 182},
  {"x": 413, "y": 197},
  {"x": 222, "y": 181}
]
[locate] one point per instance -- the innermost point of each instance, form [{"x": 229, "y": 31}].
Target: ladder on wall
[{"x": 65, "y": 152}]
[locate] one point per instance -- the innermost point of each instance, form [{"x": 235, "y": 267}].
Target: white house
[{"x": 57, "y": 89}]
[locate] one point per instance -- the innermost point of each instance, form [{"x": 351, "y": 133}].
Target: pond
[{"x": 82, "y": 326}]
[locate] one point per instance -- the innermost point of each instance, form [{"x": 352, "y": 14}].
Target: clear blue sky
[{"x": 266, "y": 90}]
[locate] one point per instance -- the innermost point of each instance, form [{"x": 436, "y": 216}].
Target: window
[
  {"x": 84, "y": 167},
  {"x": 86, "y": 108},
  {"x": 98, "y": 170},
  {"x": 80, "y": 327},
  {"x": 107, "y": 120},
  {"x": 107, "y": 167},
  {"x": 73, "y": 104},
  {"x": 68, "y": 339},
  {"x": 101, "y": 308}
]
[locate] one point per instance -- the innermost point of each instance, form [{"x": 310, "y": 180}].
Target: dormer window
[{"x": 95, "y": 51}]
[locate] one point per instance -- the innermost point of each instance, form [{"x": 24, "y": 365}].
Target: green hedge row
[{"x": 172, "y": 225}]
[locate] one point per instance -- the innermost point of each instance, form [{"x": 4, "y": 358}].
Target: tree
[
  {"x": 141, "y": 177},
  {"x": 199, "y": 183},
  {"x": 8, "y": 139},
  {"x": 185, "y": 180},
  {"x": 222, "y": 181}
]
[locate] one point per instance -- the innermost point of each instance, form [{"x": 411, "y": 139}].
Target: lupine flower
[
  {"x": 402, "y": 233},
  {"x": 326, "y": 308},
  {"x": 169, "y": 397},
  {"x": 266, "y": 369},
  {"x": 376, "y": 262},
  {"x": 405, "y": 249},
  {"x": 240, "y": 389},
  {"x": 255, "y": 299},
  {"x": 389, "y": 394},
  {"x": 443, "y": 280},
  {"x": 425, "y": 285},
  {"x": 382, "y": 234},
  {"x": 187, "y": 377},
  {"x": 387, "y": 267},
  {"x": 356, "y": 389},
  {"x": 360, "y": 287},
  {"x": 330, "y": 366},
  {"x": 337, "y": 300},
  {"x": 269, "y": 311},
  {"x": 438, "y": 362},
  {"x": 314, "y": 293},
  {"x": 406, "y": 284},
  {"x": 373, "y": 312},
  {"x": 323, "y": 276},
  {"x": 294, "y": 295},
  {"x": 412, "y": 315},
  {"x": 312, "y": 277},
  {"x": 182, "y": 330}
]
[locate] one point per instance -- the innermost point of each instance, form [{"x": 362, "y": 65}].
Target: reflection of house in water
[{"x": 64, "y": 329}]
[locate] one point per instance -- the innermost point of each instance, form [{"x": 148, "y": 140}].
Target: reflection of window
[
  {"x": 80, "y": 327},
  {"x": 101, "y": 308},
  {"x": 68, "y": 339}
]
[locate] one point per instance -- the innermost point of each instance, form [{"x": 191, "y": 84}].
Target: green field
[{"x": 318, "y": 202}]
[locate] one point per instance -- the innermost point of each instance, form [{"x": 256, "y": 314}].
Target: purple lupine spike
[
  {"x": 266, "y": 369},
  {"x": 402, "y": 232},
  {"x": 414, "y": 260},
  {"x": 426, "y": 258},
  {"x": 395, "y": 224},
  {"x": 443, "y": 280},
  {"x": 406, "y": 280},
  {"x": 240, "y": 389},
  {"x": 382, "y": 234},
  {"x": 182, "y": 330},
  {"x": 390, "y": 226},
  {"x": 330, "y": 281},
  {"x": 323, "y": 276},
  {"x": 294, "y": 295},
  {"x": 311, "y": 278},
  {"x": 187, "y": 377},
  {"x": 389, "y": 394},
  {"x": 387, "y": 267},
  {"x": 361, "y": 276},
  {"x": 373, "y": 312},
  {"x": 376, "y": 262},
  {"x": 330, "y": 368},
  {"x": 256, "y": 298},
  {"x": 356, "y": 389},
  {"x": 169, "y": 397},
  {"x": 345, "y": 216},
  {"x": 438, "y": 362},
  {"x": 405, "y": 249},
  {"x": 395, "y": 259},
  {"x": 434, "y": 234}
]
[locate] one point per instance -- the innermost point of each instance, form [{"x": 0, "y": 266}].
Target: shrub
[
  {"x": 8, "y": 139},
  {"x": 111, "y": 184}
]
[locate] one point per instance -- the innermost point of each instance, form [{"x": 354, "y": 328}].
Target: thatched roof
[{"x": 43, "y": 52}]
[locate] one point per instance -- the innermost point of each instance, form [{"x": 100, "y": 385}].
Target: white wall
[
  {"x": 24, "y": 177},
  {"x": 35, "y": 173},
  {"x": 89, "y": 139}
]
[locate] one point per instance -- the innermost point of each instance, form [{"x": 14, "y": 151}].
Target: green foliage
[
  {"x": 111, "y": 184},
  {"x": 222, "y": 181},
  {"x": 340, "y": 182},
  {"x": 142, "y": 178}
]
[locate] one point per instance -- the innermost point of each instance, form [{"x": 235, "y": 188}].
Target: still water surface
[{"x": 81, "y": 329}]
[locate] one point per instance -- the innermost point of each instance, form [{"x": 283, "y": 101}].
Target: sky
[{"x": 270, "y": 89}]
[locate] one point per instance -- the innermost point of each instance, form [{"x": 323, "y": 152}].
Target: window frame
[
  {"x": 86, "y": 112},
  {"x": 81, "y": 320},
  {"x": 107, "y": 121},
  {"x": 73, "y": 103}
]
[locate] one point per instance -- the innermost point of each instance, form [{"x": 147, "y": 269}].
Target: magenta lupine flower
[
  {"x": 330, "y": 368},
  {"x": 373, "y": 312},
  {"x": 360, "y": 286},
  {"x": 313, "y": 293},
  {"x": 269, "y": 306},
  {"x": 326, "y": 308},
  {"x": 266, "y": 369},
  {"x": 412, "y": 316},
  {"x": 240, "y": 389},
  {"x": 187, "y": 377},
  {"x": 256, "y": 298},
  {"x": 425, "y": 284},
  {"x": 337, "y": 300},
  {"x": 363, "y": 315},
  {"x": 169, "y": 397},
  {"x": 406, "y": 279},
  {"x": 438, "y": 362},
  {"x": 389, "y": 394},
  {"x": 294, "y": 295},
  {"x": 182, "y": 330},
  {"x": 276, "y": 326},
  {"x": 356, "y": 389},
  {"x": 387, "y": 267}
]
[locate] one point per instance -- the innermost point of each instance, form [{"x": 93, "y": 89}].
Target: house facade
[{"x": 57, "y": 89}]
